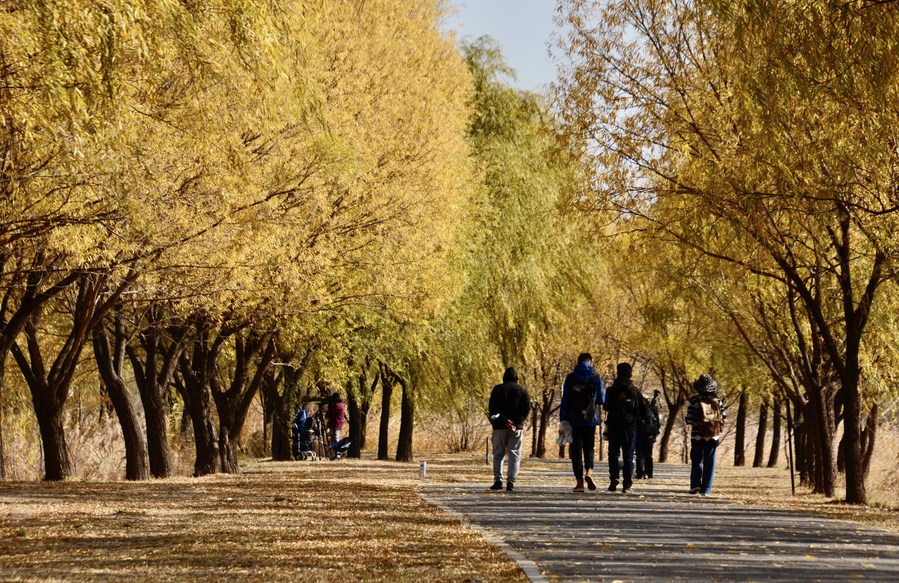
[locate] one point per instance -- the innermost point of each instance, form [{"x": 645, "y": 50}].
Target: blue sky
[{"x": 521, "y": 27}]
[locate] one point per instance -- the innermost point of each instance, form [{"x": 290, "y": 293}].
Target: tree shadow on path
[{"x": 659, "y": 531}]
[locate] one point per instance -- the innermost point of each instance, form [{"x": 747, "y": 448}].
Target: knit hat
[
  {"x": 510, "y": 376},
  {"x": 705, "y": 384}
]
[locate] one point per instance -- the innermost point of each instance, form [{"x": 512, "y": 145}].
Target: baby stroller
[
  {"x": 338, "y": 450},
  {"x": 304, "y": 436}
]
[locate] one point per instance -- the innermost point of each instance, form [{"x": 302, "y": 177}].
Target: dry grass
[{"x": 326, "y": 521}]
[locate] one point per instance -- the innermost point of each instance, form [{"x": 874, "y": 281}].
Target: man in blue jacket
[{"x": 582, "y": 394}]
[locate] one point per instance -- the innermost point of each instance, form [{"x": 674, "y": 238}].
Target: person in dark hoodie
[
  {"x": 622, "y": 403},
  {"x": 509, "y": 407},
  {"x": 582, "y": 394}
]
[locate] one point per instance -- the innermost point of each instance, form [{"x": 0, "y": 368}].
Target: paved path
[{"x": 659, "y": 532}]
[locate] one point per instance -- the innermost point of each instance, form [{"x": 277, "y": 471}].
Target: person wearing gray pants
[{"x": 509, "y": 407}]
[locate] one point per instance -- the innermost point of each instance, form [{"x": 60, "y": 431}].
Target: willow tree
[
  {"x": 137, "y": 147},
  {"x": 399, "y": 132},
  {"x": 725, "y": 122},
  {"x": 528, "y": 264}
]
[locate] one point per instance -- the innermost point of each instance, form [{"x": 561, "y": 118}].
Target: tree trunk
[
  {"x": 869, "y": 436},
  {"x": 110, "y": 363},
  {"x": 407, "y": 422},
  {"x": 50, "y": 386},
  {"x": 2, "y": 392},
  {"x": 775, "y": 436},
  {"x": 18, "y": 305},
  {"x": 387, "y": 384},
  {"x": 354, "y": 413},
  {"x": 856, "y": 491},
  {"x": 154, "y": 371},
  {"x": 196, "y": 371},
  {"x": 760, "y": 436},
  {"x": 359, "y": 428},
  {"x": 196, "y": 402},
  {"x": 740, "y": 440},
  {"x": 796, "y": 433},
  {"x": 57, "y": 461},
  {"x": 534, "y": 430},
  {"x": 821, "y": 405},
  {"x": 280, "y": 411},
  {"x": 233, "y": 404},
  {"x": 547, "y": 397},
  {"x": 674, "y": 410}
]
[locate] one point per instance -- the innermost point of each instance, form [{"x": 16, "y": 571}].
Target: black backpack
[
  {"x": 647, "y": 418},
  {"x": 624, "y": 407},
  {"x": 582, "y": 401}
]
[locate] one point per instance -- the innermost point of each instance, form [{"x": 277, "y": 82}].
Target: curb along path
[{"x": 661, "y": 532}]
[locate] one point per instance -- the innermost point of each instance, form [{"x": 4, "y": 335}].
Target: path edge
[{"x": 530, "y": 568}]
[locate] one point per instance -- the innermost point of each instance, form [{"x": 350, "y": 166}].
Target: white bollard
[{"x": 423, "y": 469}]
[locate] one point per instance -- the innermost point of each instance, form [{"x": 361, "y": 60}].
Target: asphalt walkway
[{"x": 661, "y": 532}]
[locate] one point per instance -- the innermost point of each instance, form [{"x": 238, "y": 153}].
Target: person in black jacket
[
  {"x": 509, "y": 407},
  {"x": 648, "y": 425},
  {"x": 622, "y": 403}
]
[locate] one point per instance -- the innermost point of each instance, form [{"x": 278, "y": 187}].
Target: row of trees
[
  {"x": 750, "y": 149},
  {"x": 231, "y": 202},
  {"x": 213, "y": 197},
  {"x": 209, "y": 206}
]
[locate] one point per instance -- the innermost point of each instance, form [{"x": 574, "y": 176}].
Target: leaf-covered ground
[
  {"x": 321, "y": 521},
  {"x": 350, "y": 520}
]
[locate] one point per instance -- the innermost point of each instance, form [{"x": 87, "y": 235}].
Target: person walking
[
  {"x": 648, "y": 424},
  {"x": 622, "y": 404},
  {"x": 508, "y": 409},
  {"x": 336, "y": 416},
  {"x": 706, "y": 414},
  {"x": 583, "y": 392}
]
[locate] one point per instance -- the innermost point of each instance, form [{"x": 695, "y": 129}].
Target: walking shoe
[
  {"x": 497, "y": 485},
  {"x": 613, "y": 486},
  {"x": 510, "y": 487},
  {"x": 625, "y": 490},
  {"x": 591, "y": 485},
  {"x": 694, "y": 490},
  {"x": 579, "y": 487},
  {"x": 705, "y": 494}
]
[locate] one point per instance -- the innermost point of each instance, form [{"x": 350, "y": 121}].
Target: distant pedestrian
[
  {"x": 583, "y": 392},
  {"x": 648, "y": 424},
  {"x": 509, "y": 407},
  {"x": 336, "y": 416},
  {"x": 622, "y": 404},
  {"x": 706, "y": 414}
]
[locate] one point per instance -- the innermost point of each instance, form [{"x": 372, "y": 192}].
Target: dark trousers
[
  {"x": 581, "y": 449},
  {"x": 644, "y": 456},
  {"x": 622, "y": 441}
]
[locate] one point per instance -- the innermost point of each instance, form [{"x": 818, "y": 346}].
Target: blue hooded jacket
[{"x": 581, "y": 374}]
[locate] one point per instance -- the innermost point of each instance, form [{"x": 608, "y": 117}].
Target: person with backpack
[
  {"x": 622, "y": 407},
  {"x": 508, "y": 409},
  {"x": 648, "y": 424},
  {"x": 583, "y": 392},
  {"x": 706, "y": 414}
]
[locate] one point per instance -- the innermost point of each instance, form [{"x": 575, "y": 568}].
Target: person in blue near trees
[
  {"x": 508, "y": 409},
  {"x": 706, "y": 414},
  {"x": 622, "y": 405},
  {"x": 582, "y": 394},
  {"x": 300, "y": 428}
]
